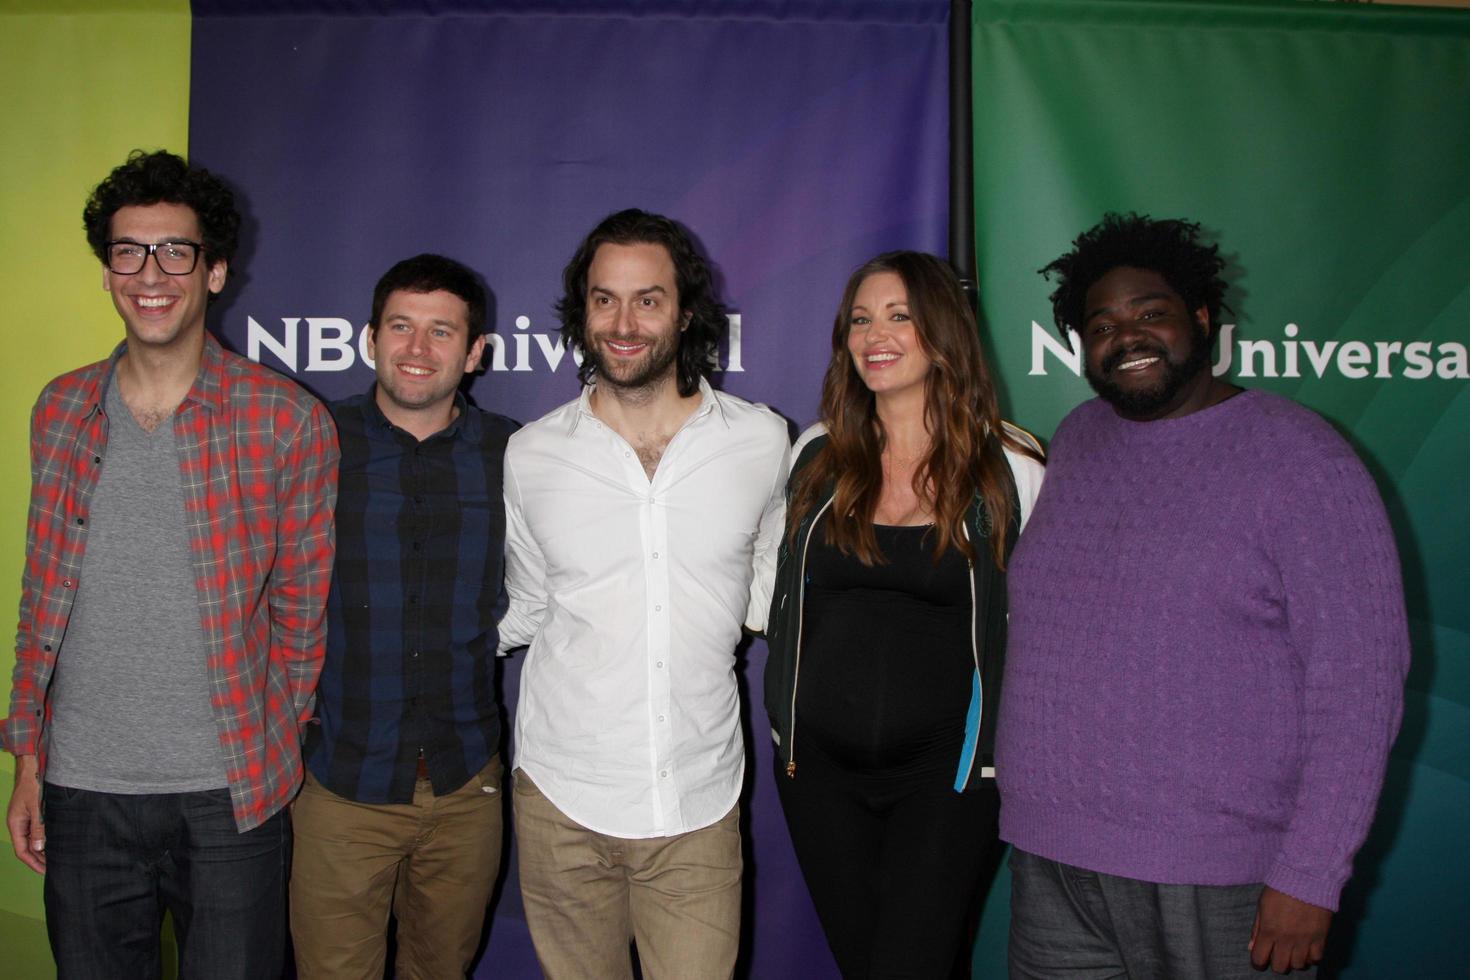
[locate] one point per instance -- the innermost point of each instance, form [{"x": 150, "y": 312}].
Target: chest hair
[
  {"x": 149, "y": 407},
  {"x": 150, "y": 418},
  {"x": 650, "y": 449}
]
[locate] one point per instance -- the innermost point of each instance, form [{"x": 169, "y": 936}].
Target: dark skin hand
[{"x": 1289, "y": 934}]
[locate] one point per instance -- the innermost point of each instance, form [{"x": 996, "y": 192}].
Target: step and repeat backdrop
[
  {"x": 1325, "y": 145},
  {"x": 794, "y": 140}
]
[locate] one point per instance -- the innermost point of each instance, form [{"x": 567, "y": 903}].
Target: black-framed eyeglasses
[{"x": 176, "y": 258}]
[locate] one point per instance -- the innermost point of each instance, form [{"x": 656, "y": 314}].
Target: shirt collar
[
  {"x": 709, "y": 402},
  {"x": 209, "y": 384},
  {"x": 208, "y": 389},
  {"x": 464, "y": 422}
]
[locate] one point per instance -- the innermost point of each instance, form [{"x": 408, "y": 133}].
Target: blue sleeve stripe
[{"x": 972, "y": 736}]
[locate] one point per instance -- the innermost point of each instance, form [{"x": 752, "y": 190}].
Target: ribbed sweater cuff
[{"x": 1321, "y": 892}]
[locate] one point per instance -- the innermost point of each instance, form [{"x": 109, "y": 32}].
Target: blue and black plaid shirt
[{"x": 416, "y": 593}]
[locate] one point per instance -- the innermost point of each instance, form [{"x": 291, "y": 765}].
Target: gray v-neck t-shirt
[{"x": 130, "y": 699}]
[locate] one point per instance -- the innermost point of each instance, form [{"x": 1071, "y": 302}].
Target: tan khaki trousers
[
  {"x": 587, "y": 894},
  {"x": 432, "y": 863}
]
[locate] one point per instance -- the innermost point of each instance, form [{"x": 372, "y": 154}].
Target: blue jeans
[{"x": 116, "y": 862}]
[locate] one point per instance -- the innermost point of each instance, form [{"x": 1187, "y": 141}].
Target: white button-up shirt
[{"x": 631, "y": 593}]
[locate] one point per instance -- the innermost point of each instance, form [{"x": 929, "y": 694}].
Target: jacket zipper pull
[{"x": 791, "y": 769}]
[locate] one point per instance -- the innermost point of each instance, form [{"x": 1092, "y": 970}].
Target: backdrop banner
[
  {"x": 67, "y": 121},
  {"x": 796, "y": 140},
  {"x": 1327, "y": 147}
]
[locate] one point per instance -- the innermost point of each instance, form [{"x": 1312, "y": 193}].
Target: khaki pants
[
  {"x": 587, "y": 894},
  {"x": 432, "y": 862}
]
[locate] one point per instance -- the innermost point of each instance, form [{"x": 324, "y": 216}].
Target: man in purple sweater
[{"x": 1207, "y": 646}]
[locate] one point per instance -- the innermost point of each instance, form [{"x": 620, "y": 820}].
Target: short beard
[
  {"x": 431, "y": 397},
  {"x": 1148, "y": 401},
  {"x": 659, "y": 364}
]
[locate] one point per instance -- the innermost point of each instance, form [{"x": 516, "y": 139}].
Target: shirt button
[
  {"x": 660, "y": 718},
  {"x": 96, "y": 459},
  {"x": 655, "y": 554},
  {"x": 658, "y": 608},
  {"x": 66, "y": 583},
  {"x": 81, "y": 522},
  {"x": 659, "y": 664},
  {"x": 663, "y": 774},
  {"x": 414, "y": 654}
]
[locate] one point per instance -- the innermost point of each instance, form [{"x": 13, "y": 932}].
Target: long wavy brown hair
[{"x": 961, "y": 413}]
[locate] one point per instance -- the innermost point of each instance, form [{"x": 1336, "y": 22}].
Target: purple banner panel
[{"x": 796, "y": 140}]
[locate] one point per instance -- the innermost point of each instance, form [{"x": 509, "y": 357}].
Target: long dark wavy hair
[
  {"x": 963, "y": 418},
  {"x": 697, "y": 299}
]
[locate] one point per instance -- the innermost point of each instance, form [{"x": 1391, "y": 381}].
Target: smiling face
[
  {"x": 159, "y": 310},
  {"x": 633, "y": 318},
  {"x": 422, "y": 353},
  {"x": 882, "y": 338},
  {"x": 1144, "y": 351}
]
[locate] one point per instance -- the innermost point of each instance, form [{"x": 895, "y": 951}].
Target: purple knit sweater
[{"x": 1207, "y": 651}]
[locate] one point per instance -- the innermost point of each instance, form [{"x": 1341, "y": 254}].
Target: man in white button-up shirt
[{"x": 640, "y": 519}]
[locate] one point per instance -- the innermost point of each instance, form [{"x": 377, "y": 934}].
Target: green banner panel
[
  {"x": 85, "y": 81},
  {"x": 1328, "y": 149}
]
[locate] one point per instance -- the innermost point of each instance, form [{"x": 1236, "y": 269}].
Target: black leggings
[{"x": 892, "y": 862}]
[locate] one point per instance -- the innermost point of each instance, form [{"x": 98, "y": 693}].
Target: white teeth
[
  {"x": 880, "y": 358},
  {"x": 418, "y": 371},
  {"x": 1142, "y": 362},
  {"x": 154, "y": 302}
]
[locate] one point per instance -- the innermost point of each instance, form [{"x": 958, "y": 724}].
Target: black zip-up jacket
[{"x": 988, "y": 613}]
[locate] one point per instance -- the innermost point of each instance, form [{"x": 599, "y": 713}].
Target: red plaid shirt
[{"x": 258, "y": 465}]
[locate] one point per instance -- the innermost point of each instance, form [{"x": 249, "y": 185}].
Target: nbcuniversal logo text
[
  {"x": 1292, "y": 358},
  {"x": 334, "y": 344}
]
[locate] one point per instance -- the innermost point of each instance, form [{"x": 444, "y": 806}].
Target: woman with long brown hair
[{"x": 887, "y": 627}]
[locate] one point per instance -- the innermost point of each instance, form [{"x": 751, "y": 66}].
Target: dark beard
[
  {"x": 1143, "y": 402},
  {"x": 659, "y": 363}
]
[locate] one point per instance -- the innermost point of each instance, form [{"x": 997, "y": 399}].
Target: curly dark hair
[
  {"x": 430, "y": 273},
  {"x": 697, "y": 299},
  {"x": 162, "y": 177},
  {"x": 1171, "y": 247}
]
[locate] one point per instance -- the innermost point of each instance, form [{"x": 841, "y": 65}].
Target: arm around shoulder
[
  {"x": 525, "y": 569},
  {"x": 306, "y": 499},
  {"x": 1027, "y": 469},
  {"x": 768, "y": 540}
]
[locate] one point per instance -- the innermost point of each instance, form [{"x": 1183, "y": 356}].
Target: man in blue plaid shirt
[{"x": 401, "y": 809}]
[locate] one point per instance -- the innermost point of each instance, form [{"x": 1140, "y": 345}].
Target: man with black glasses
[{"x": 178, "y": 551}]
